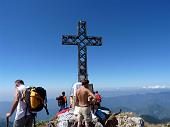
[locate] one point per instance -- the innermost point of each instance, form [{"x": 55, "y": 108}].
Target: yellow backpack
[{"x": 35, "y": 99}]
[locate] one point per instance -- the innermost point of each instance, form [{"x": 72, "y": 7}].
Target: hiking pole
[{"x": 7, "y": 121}]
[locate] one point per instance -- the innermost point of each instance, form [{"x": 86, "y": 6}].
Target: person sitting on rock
[{"x": 98, "y": 98}]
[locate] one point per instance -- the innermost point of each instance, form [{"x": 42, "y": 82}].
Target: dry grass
[{"x": 156, "y": 125}]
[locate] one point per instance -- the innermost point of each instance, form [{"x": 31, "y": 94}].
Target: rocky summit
[
  {"x": 68, "y": 119},
  {"x": 124, "y": 119},
  {"x": 129, "y": 119}
]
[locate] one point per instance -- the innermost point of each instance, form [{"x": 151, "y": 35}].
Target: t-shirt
[
  {"x": 98, "y": 97},
  {"x": 21, "y": 107},
  {"x": 61, "y": 100},
  {"x": 65, "y": 99}
]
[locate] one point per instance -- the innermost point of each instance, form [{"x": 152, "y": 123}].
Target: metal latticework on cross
[{"x": 82, "y": 41}]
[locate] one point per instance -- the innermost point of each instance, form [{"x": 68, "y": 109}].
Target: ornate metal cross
[{"x": 82, "y": 41}]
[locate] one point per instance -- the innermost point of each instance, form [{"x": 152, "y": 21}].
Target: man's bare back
[
  {"x": 84, "y": 110},
  {"x": 82, "y": 96}
]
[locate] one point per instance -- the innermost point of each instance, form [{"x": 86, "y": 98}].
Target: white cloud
[{"x": 156, "y": 87}]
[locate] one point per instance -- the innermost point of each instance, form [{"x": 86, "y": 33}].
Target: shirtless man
[{"x": 84, "y": 109}]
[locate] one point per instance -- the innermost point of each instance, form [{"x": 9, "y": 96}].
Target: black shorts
[{"x": 24, "y": 122}]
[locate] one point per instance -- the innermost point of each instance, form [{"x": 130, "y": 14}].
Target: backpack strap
[
  {"x": 27, "y": 101},
  {"x": 34, "y": 115},
  {"x": 45, "y": 106},
  {"x": 46, "y": 109}
]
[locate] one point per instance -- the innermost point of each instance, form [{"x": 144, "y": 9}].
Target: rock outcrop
[{"x": 127, "y": 119}]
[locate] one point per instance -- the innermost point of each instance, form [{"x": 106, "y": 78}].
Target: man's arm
[
  {"x": 91, "y": 94},
  {"x": 65, "y": 101},
  {"x": 14, "y": 105},
  {"x": 76, "y": 99}
]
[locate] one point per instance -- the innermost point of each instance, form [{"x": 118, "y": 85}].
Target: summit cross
[{"x": 82, "y": 41}]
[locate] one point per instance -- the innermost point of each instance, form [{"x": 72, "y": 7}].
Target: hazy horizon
[{"x": 105, "y": 92}]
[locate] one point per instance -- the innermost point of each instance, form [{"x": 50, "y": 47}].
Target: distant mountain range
[
  {"x": 155, "y": 105},
  {"x": 153, "y": 120},
  {"x": 151, "y": 104}
]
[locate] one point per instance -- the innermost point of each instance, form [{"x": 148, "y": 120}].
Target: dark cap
[{"x": 19, "y": 81}]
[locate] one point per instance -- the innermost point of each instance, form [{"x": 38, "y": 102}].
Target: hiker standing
[
  {"x": 65, "y": 99},
  {"x": 22, "y": 118},
  {"x": 98, "y": 98},
  {"x": 83, "y": 107},
  {"x": 62, "y": 101}
]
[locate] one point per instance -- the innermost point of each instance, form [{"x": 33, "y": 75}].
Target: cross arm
[
  {"x": 94, "y": 41},
  {"x": 69, "y": 40}
]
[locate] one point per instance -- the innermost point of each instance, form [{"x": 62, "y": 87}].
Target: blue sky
[{"x": 135, "y": 51}]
